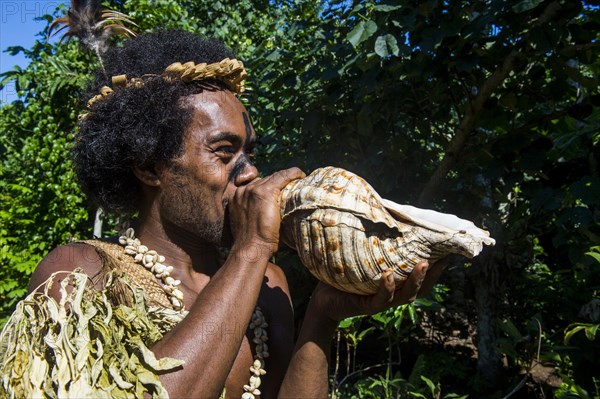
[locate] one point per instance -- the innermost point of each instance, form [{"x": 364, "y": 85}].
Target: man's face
[{"x": 196, "y": 186}]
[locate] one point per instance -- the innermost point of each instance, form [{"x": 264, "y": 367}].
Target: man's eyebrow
[
  {"x": 235, "y": 139},
  {"x": 225, "y": 136}
]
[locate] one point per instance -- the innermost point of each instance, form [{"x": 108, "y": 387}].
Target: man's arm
[
  {"x": 307, "y": 375},
  {"x": 209, "y": 338},
  {"x": 231, "y": 295},
  {"x": 224, "y": 305}
]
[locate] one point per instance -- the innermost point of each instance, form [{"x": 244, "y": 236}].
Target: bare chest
[{"x": 240, "y": 372}]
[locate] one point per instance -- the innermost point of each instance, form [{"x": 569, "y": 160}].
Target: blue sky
[{"x": 19, "y": 28}]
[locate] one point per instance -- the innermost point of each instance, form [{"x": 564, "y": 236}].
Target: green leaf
[
  {"x": 595, "y": 253},
  {"x": 526, "y": 5},
  {"x": 274, "y": 56},
  {"x": 430, "y": 384},
  {"x": 572, "y": 329},
  {"x": 509, "y": 328},
  {"x": 363, "y": 333},
  {"x": 590, "y": 331},
  {"x": 345, "y": 323},
  {"x": 412, "y": 313},
  {"x": 361, "y": 32},
  {"x": 14, "y": 50},
  {"x": 380, "y": 317},
  {"x": 386, "y": 45},
  {"x": 386, "y": 7}
]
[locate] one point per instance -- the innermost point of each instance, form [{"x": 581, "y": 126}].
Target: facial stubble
[{"x": 188, "y": 208}]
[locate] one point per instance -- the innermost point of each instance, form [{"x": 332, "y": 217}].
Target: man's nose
[{"x": 246, "y": 175}]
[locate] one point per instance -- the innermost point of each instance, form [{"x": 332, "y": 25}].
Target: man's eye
[{"x": 228, "y": 151}]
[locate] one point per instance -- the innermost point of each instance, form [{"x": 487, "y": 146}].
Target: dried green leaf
[
  {"x": 121, "y": 383},
  {"x": 83, "y": 346}
]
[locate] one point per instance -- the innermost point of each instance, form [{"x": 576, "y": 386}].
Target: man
[{"x": 178, "y": 153}]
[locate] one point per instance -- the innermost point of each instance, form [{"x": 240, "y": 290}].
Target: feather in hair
[{"x": 93, "y": 24}]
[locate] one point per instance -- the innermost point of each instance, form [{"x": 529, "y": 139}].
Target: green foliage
[
  {"x": 149, "y": 15},
  {"x": 580, "y": 354},
  {"x": 435, "y": 392},
  {"x": 384, "y": 380},
  {"x": 570, "y": 390},
  {"x": 488, "y": 110},
  {"x": 41, "y": 204},
  {"x": 589, "y": 329},
  {"x": 522, "y": 351}
]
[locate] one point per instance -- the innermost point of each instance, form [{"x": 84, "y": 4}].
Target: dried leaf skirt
[{"x": 85, "y": 346}]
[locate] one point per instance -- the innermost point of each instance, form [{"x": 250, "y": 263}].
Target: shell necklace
[{"x": 152, "y": 261}]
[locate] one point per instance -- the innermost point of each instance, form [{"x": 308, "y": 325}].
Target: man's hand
[
  {"x": 306, "y": 376},
  {"x": 254, "y": 210},
  {"x": 337, "y": 305}
]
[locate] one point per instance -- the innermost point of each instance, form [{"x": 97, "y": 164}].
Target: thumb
[
  {"x": 385, "y": 294},
  {"x": 411, "y": 286}
]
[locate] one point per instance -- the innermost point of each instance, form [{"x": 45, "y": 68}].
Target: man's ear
[{"x": 147, "y": 175}]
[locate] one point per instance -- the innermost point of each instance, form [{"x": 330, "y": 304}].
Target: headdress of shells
[{"x": 229, "y": 71}]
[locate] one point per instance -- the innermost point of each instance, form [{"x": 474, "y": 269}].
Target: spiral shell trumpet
[{"x": 347, "y": 235}]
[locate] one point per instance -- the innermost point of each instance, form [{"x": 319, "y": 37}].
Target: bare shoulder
[{"x": 65, "y": 258}]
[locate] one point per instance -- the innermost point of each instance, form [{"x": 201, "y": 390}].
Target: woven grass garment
[{"x": 92, "y": 343}]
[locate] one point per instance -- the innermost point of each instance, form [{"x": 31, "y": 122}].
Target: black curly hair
[{"x": 138, "y": 126}]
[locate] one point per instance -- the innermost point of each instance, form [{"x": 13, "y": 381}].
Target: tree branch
[
  {"x": 570, "y": 51},
  {"x": 472, "y": 111},
  {"x": 467, "y": 124}
]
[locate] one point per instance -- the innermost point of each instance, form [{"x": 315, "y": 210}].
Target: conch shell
[{"x": 347, "y": 235}]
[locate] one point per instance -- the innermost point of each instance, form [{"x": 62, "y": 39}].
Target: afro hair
[{"x": 138, "y": 126}]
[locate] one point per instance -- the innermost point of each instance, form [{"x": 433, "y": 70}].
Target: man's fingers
[
  {"x": 411, "y": 287},
  {"x": 385, "y": 294},
  {"x": 281, "y": 178}
]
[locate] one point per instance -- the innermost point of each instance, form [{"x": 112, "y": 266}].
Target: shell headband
[{"x": 229, "y": 71}]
